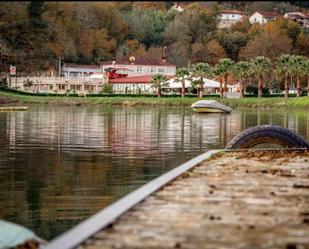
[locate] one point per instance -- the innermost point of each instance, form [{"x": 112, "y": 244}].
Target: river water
[{"x": 59, "y": 165}]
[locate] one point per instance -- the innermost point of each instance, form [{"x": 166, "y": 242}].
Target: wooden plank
[{"x": 95, "y": 223}]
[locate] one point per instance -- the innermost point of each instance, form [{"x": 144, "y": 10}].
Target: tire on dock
[{"x": 267, "y": 134}]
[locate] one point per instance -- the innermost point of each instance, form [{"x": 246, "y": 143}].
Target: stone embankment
[{"x": 256, "y": 199}]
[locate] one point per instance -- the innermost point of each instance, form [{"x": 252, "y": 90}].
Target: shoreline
[{"x": 7, "y": 98}]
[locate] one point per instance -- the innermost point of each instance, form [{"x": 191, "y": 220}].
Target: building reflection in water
[{"x": 59, "y": 165}]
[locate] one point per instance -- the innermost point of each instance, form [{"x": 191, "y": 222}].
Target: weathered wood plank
[{"x": 236, "y": 200}]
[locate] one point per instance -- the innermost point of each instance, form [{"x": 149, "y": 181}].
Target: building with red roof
[
  {"x": 140, "y": 65},
  {"x": 133, "y": 84},
  {"x": 263, "y": 17},
  {"x": 301, "y": 18}
]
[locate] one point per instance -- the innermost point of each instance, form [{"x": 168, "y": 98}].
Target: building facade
[
  {"x": 59, "y": 85},
  {"x": 230, "y": 17},
  {"x": 138, "y": 65},
  {"x": 78, "y": 71},
  {"x": 302, "y": 19},
  {"x": 263, "y": 17}
]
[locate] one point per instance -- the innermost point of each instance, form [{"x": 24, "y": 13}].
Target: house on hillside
[
  {"x": 178, "y": 7},
  {"x": 139, "y": 65},
  {"x": 78, "y": 71},
  {"x": 230, "y": 17},
  {"x": 302, "y": 19},
  {"x": 263, "y": 17}
]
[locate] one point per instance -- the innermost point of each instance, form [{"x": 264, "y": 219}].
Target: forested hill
[{"x": 36, "y": 34}]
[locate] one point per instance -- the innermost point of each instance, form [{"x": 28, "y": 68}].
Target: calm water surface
[{"x": 59, "y": 165}]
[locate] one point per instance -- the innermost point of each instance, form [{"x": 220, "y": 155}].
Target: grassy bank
[{"x": 13, "y": 98}]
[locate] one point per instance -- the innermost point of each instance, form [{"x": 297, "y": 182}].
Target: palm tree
[
  {"x": 218, "y": 73},
  {"x": 241, "y": 71},
  {"x": 225, "y": 66},
  {"x": 297, "y": 62},
  {"x": 201, "y": 70},
  {"x": 181, "y": 75},
  {"x": 260, "y": 67},
  {"x": 158, "y": 81},
  {"x": 306, "y": 73},
  {"x": 283, "y": 67}
]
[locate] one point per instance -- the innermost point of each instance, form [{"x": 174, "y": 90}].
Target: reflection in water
[{"x": 59, "y": 165}]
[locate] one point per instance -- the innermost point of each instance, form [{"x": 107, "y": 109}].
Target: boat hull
[{"x": 208, "y": 110}]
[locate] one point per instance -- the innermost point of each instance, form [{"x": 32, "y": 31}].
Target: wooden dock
[{"x": 240, "y": 199}]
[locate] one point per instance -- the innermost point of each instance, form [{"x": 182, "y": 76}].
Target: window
[
  {"x": 161, "y": 70},
  {"x": 139, "y": 70},
  {"x": 152, "y": 70}
]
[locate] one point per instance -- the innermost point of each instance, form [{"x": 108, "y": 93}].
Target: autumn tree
[
  {"x": 195, "y": 24},
  {"x": 210, "y": 52},
  {"x": 232, "y": 42},
  {"x": 270, "y": 43}
]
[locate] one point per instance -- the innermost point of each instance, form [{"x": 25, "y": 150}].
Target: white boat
[{"x": 210, "y": 106}]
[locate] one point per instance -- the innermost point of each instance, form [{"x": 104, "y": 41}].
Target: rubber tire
[{"x": 267, "y": 134}]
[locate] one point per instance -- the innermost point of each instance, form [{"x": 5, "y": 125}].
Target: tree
[
  {"x": 302, "y": 44},
  {"x": 181, "y": 75},
  {"x": 218, "y": 73},
  {"x": 232, "y": 42},
  {"x": 201, "y": 70},
  {"x": 306, "y": 73},
  {"x": 297, "y": 66},
  {"x": 241, "y": 71},
  {"x": 158, "y": 81},
  {"x": 283, "y": 67},
  {"x": 147, "y": 26},
  {"x": 260, "y": 67},
  {"x": 195, "y": 24},
  {"x": 209, "y": 52},
  {"x": 226, "y": 66},
  {"x": 270, "y": 43}
]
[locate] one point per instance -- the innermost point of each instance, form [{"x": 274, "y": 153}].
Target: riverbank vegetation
[
  {"x": 9, "y": 98},
  {"x": 36, "y": 34}
]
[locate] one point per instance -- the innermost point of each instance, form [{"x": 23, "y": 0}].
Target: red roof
[
  {"x": 139, "y": 60},
  {"x": 232, "y": 12},
  {"x": 144, "y": 79},
  {"x": 268, "y": 14},
  {"x": 81, "y": 66}
]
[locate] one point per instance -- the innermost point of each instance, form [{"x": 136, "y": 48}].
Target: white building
[
  {"x": 230, "y": 17},
  {"x": 263, "y": 17},
  {"x": 177, "y": 7},
  {"x": 138, "y": 65},
  {"x": 298, "y": 17},
  {"x": 210, "y": 86},
  {"x": 79, "y": 71}
]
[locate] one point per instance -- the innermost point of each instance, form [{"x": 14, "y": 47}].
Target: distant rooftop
[
  {"x": 268, "y": 13},
  {"x": 135, "y": 79},
  {"x": 80, "y": 66},
  {"x": 236, "y": 12}
]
